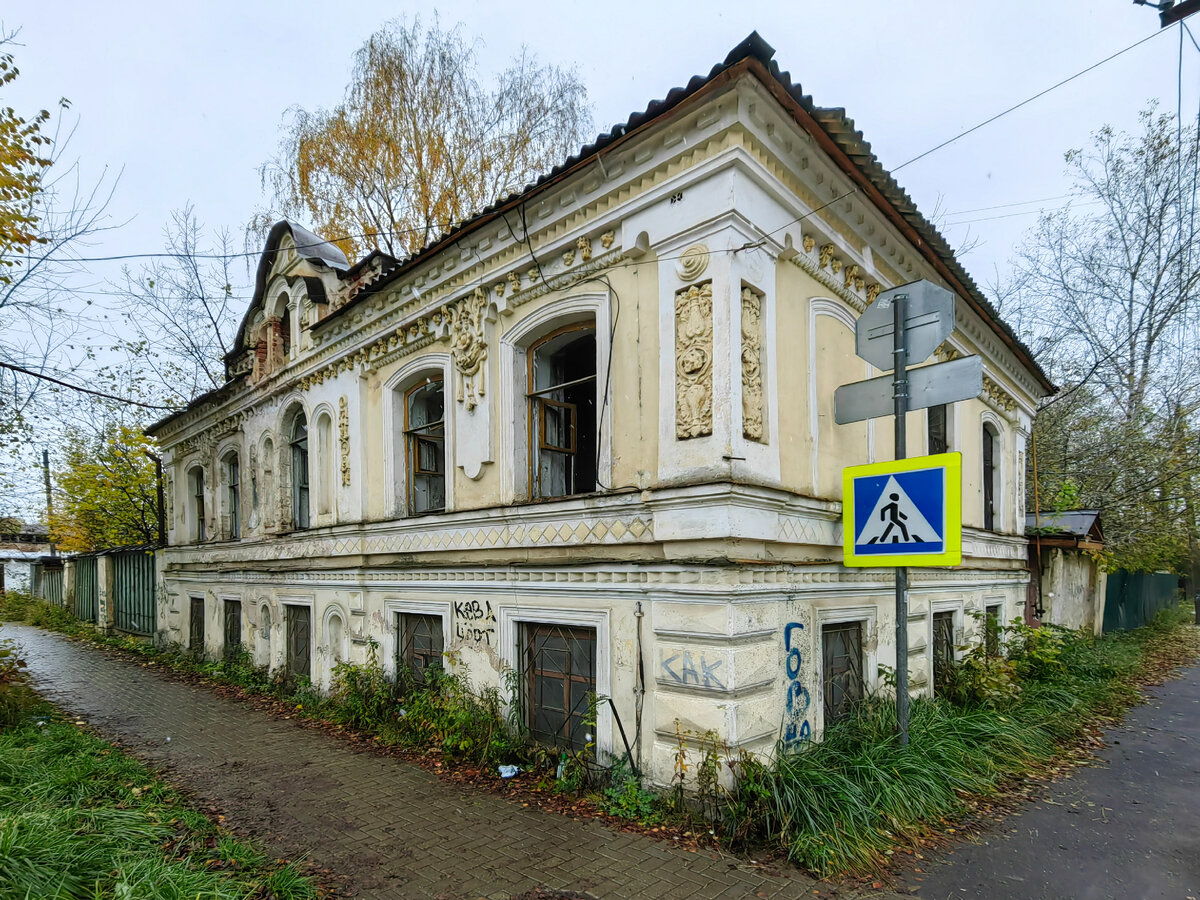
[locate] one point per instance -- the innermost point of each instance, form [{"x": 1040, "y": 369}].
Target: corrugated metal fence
[
  {"x": 1135, "y": 598},
  {"x": 87, "y": 589},
  {"x": 133, "y": 590},
  {"x": 46, "y": 581}
]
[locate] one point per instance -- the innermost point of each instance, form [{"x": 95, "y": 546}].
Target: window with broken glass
[
  {"x": 420, "y": 643},
  {"x": 562, "y": 412},
  {"x": 425, "y": 436},
  {"x": 943, "y": 648},
  {"x": 558, "y": 678},
  {"x": 842, "y": 661}
]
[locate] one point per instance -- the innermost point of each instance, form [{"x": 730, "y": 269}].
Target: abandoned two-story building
[{"x": 588, "y": 437}]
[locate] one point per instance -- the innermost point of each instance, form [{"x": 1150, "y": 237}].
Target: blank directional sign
[
  {"x": 929, "y": 320},
  {"x": 948, "y": 382},
  {"x": 903, "y": 513}
]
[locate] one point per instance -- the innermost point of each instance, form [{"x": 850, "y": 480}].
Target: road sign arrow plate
[{"x": 959, "y": 379}]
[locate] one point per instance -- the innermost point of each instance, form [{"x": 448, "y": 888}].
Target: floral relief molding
[{"x": 693, "y": 361}]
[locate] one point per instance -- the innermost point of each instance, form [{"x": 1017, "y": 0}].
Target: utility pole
[
  {"x": 900, "y": 398},
  {"x": 49, "y": 495}
]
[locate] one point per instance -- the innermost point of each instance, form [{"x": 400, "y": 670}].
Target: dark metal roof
[
  {"x": 755, "y": 54},
  {"x": 1079, "y": 523}
]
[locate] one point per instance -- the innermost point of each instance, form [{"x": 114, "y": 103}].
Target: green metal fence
[
  {"x": 1134, "y": 598},
  {"x": 133, "y": 591},
  {"x": 46, "y": 581},
  {"x": 87, "y": 589}
]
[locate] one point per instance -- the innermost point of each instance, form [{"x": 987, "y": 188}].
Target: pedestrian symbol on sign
[
  {"x": 904, "y": 510},
  {"x": 896, "y": 520}
]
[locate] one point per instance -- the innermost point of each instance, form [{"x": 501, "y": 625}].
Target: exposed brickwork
[{"x": 394, "y": 829}]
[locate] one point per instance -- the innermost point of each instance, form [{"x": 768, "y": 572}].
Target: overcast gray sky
[{"x": 188, "y": 98}]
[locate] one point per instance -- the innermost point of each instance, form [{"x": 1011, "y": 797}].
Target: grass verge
[{"x": 842, "y": 804}]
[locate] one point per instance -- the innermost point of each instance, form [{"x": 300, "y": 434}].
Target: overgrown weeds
[
  {"x": 840, "y": 804},
  {"x": 80, "y": 819}
]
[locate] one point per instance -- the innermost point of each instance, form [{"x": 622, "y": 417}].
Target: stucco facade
[{"x": 637, "y": 358}]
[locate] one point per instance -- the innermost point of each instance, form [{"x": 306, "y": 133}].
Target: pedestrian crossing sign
[{"x": 903, "y": 513}]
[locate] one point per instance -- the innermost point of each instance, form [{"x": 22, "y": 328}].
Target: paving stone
[{"x": 390, "y": 827}]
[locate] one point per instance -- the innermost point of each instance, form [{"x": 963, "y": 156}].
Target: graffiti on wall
[
  {"x": 682, "y": 667},
  {"x": 796, "y": 728},
  {"x": 474, "y": 621}
]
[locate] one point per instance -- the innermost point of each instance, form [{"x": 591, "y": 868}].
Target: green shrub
[{"x": 17, "y": 698}]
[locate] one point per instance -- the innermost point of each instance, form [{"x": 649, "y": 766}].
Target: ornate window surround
[{"x": 395, "y": 457}]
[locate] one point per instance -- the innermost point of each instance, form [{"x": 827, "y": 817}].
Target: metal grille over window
[
  {"x": 562, "y": 412},
  {"x": 233, "y": 628},
  {"x": 299, "y": 642},
  {"x": 425, "y": 435},
  {"x": 943, "y": 648},
  {"x": 936, "y": 422},
  {"x": 842, "y": 660},
  {"x": 558, "y": 676},
  {"x": 196, "y": 626},
  {"x": 300, "y": 472},
  {"x": 419, "y": 644}
]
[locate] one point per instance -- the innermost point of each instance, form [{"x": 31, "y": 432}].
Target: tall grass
[
  {"x": 80, "y": 819},
  {"x": 839, "y": 805}
]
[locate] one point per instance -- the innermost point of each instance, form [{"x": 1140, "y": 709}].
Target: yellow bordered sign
[{"x": 903, "y": 513}]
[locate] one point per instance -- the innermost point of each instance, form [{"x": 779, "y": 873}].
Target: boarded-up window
[
  {"x": 419, "y": 644},
  {"x": 842, "y": 661},
  {"x": 559, "y": 679}
]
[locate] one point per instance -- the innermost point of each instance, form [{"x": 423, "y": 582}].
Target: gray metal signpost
[{"x": 905, "y": 325}]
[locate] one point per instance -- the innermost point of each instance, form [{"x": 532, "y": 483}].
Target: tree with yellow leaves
[
  {"x": 421, "y": 141},
  {"x": 106, "y": 491},
  {"x": 23, "y": 157}
]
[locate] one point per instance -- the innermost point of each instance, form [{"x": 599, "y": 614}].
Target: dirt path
[{"x": 389, "y": 827}]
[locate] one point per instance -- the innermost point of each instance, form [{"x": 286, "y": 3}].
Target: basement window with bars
[
  {"x": 419, "y": 645},
  {"x": 842, "y": 664},
  {"x": 558, "y": 681},
  {"x": 943, "y": 648},
  {"x": 233, "y": 628}
]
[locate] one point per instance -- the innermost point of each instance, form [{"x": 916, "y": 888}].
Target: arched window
[
  {"x": 196, "y": 482},
  {"x": 562, "y": 412},
  {"x": 324, "y": 464},
  {"x": 233, "y": 496},
  {"x": 989, "y": 478},
  {"x": 299, "y": 445},
  {"x": 425, "y": 446}
]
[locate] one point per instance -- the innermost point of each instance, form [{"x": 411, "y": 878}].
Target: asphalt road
[{"x": 1128, "y": 828}]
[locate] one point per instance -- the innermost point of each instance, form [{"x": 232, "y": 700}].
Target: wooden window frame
[
  {"x": 231, "y": 649},
  {"x": 196, "y": 476},
  {"x": 930, "y": 418},
  {"x": 413, "y": 436},
  {"x": 406, "y": 651},
  {"x": 536, "y": 404},
  {"x": 233, "y": 499},
  {"x": 827, "y": 676},
  {"x": 531, "y": 676},
  {"x": 989, "y": 437},
  {"x": 301, "y": 511}
]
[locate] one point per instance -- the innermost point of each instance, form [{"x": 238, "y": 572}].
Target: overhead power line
[{"x": 84, "y": 390}]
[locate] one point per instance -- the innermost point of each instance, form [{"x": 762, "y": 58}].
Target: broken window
[
  {"x": 197, "y": 479},
  {"x": 233, "y": 628},
  {"x": 233, "y": 501},
  {"x": 842, "y": 661},
  {"x": 936, "y": 429},
  {"x": 562, "y": 412},
  {"x": 558, "y": 677},
  {"x": 299, "y": 443},
  {"x": 419, "y": 644},
  {"x": 425, "y": 437},
  {"x": 943, "y": 648}
]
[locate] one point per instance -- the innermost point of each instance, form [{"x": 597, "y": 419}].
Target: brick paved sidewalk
[{"x": 392, "y": 828}]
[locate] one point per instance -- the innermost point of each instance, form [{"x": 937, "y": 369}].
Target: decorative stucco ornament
[
  {"x": 826, "y": 255},
  {"x": 693, "y": 262},
  {"x": 809, "y": 242},
  {"x": 468, "y": 347},
  {"x": 569, "y": 258},
  {"x": 693, "y": 361},
  {"x": 752, "y": 387},
  {"x": 872, "y": 292},
  {"x": 344, "y": 438},
  {"x": 514, "y": 281},
  {"x": 584, "y": 246},
  {"x": 606, "y": 239}
]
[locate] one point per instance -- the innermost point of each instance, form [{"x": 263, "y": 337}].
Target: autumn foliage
[
  {"x": 421, "y": 141},
  {"x": 22, "y": 161},
  {"x": 106, "y": 494}
]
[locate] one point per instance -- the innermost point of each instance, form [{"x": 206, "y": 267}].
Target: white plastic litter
[{"x": 509, "y": 771}]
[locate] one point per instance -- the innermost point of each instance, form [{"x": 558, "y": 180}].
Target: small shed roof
[{"x": 1079, "y": 523}]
